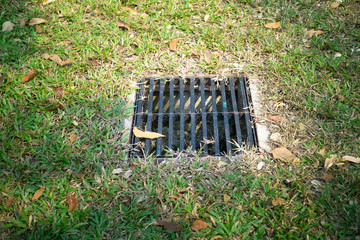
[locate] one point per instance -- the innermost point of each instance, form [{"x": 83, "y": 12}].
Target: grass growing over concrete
[{"x": 312, "y": 82}]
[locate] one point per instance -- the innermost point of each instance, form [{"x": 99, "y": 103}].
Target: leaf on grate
[
  {"x": 8, "y": 202},
  {"x": 72, "y": 202},
  {"x": 334, "y": 5},
  {"x": 173, "y": 44},
  {"x": 59, "y": 92},
  {"x": 272, "y": 25},
  {"x": 226, "y": 198},
  {"x": 278, "y": 201},
  {"x": 73, "y": 137},
  {"x": 351, "y": 159},
  {"x": 314, "y": 32},
  {"x": 327, "y": 177},
  {"x": 145, "y": 134},
  {"x": 330, "y": 161},
  {"x": 199, "y": 225},
  {"x": 36, "y": 21},
  {"x": 38, "y": 193},
  {"x": 7, "y": 26},
  {"x": 283, "y": 154},
  {"x": 47, "y": 2},
  {"x": 30, "y": 76},
  {"x": 123, "y": 24},
  {"x": 38, "y": 29},
  {"x": 275, "y": 118},
  {"x": 172, "y": 227}
]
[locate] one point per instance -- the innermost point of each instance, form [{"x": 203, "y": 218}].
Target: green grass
[{"x": 302, "y": 78}]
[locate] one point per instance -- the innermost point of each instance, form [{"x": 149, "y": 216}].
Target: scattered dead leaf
[
  {"x": 133, "y": 166},
  {"x": 46, "y": 56},
  {"x": 30, "y": 76},
  {"x": 173, "y": 196},
  {"x": 322, "y": 152},
  {"x": 173, "y": 44},
  {"x": 158, "y": 190},
  {"x": 330, "y": 161},
  {"x": 38, "y": 29},
  {"x": 145, "y": 134},
  {"x": 278, "y": 201},
  {"x": 216, "y": 237},
  {"x": 334, "y": 5},
  {"x": 132, "y": 11},
  {"x": 269, "y": 231},
  {"x": 275, "y": 118},
  {"x": 327, "y": 177},
  {"x": 222, "y": 164},
  {"x": 217, "y": 54},
  {"x": 36, "y": 21},
  {"x": 58, "y": 60},
  {"x": 351, "y": 159},
  {"x": 21, "y": 22},
  {"x": 7, "y": 26},
  {"x": 313, "y": 32},
  {"x": 78, "y": 175},
  {"x": 283, "y": 154},
  {"x": 123, "y": 24},
  {"x": 59, "y": 92},
  {"x": 126, "y": 201},
  {"x": 72, "y": 201},
  {"x": 38, "y": 193},
  {"x": 226, "y": 198},
  {"x": 58, "y": 106},
  {"x": 73, "y": 137},
  {"x": 199, "y": 225},
  {"x": 206, "y": 18},
  {"x": 47, "y": 2},
  {"x": 272, "y": 25},
  {"x": 8, "y": 201},
  {"x": 172, "y": 227}
]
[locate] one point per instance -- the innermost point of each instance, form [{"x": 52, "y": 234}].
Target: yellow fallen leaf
[
  {"x": 313, "y": 32},
  {"x": 272, "y": 25},
  {"x": 351, "y": 159},
  {"x": 36, "y": 21},
  {"x": 173, "y": 44},
  {"x": 283, "y": 154},
  {"x": 145, "y": 134},
  {"x": 38, "y": 193}
]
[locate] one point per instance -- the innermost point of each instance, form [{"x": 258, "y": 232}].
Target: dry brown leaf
[
  {"x": 72, "y": 202},
  {"x": 66, "y": 62},
  {"x": 21, "y": 22},
  {"x": 329, "y": 162},
  {"x": 172, "y": 227},
  {"x": 126, "y": 201},
  {"x": 132, "y": 11},
  {"x": 282, "y": 154},
  {"x": 199, "y": 225},
  {"x": 158, "y": 190},
  {"x": 226, "y": 198},
  {"x": 123, "y": 24},
  {"x": 38, "y": 193},
  {"x": 47, "y": 2},
  {"x": 334, "y": 5},
  {"x": 30, "y": 76},
  {"x": 173, "y": 44},
  {"x": 38, "y": 29},
  {"x": 327, "y": 177},
  {"x": 59, "y": 92},
  {"x": 275, "y": 118},
  {"x": 46, "y": 56},
  {"x": 272, "y": 25},
  {"x": 58, "y": 60},
  {"x": 351, "y": 159},
  {"x": 222, "y": 164},
  {"x": 216, "y": 237},
  {"x": 278, "y": 201},
  {"x": 55, "y": 58},
  {"x": 58, "y": 106},
  {"x": 173, "y": 196},
  {"x": 78, "y": 175},
  {"x": 314, "y": 32},
  {"x": 145, "y": 134},
  {"x": 36, "y": 21},
  {"x": 8, "y": 202},
  {"x": 322, "y": 152},
  {"x": 73, "y": 137}
]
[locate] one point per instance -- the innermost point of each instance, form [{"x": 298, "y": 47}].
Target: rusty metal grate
[{"x": 196, "y": 114}]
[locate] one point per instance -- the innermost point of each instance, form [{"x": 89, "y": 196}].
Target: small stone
[
  {"x": 260, "y": 165},
  {"x": 276, "y": 137}
]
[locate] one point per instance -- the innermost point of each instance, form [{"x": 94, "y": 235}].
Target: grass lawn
[{"x": 63, "y": 129}]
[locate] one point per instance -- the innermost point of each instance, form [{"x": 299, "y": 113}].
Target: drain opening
[{"x": 197, "y": 114}]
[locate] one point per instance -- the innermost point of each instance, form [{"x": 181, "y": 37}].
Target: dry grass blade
[{"x": 38, "y": 193}]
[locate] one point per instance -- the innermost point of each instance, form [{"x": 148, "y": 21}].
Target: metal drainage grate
[{"x": 198, "y": 114}]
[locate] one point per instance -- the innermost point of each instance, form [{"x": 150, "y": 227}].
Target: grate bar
[
  {"x": 215, "y": 121},
  {"x": 149, "y": 115},
  {"x": 182, "y": 123},
  {"x": 192, "y": 108},
  {"x": 247, "y": 112},
  {"x": 235, "y": 109},
  {"x": 226, "y": 117},
  {"x": 160, "y": 118},
  {"x": 171, "y": 114},
  {"x": 203, "y": 115}
]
